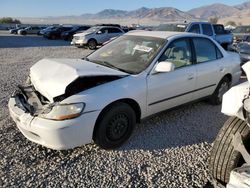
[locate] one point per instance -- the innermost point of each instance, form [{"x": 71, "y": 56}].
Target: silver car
[{"x": 96, "y": 36}]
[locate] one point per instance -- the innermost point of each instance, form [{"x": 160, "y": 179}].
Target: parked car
[
  {"x": 230, "y": 154},
  {"x": 55, "y": 33},
  {"x": 104, "y": 95},
  {"x": 42, "y": 31},
  {"x": 215, "y": 31},
  {"x": 96, "y": 36},
  {"x": 241, "y": 34},
  {"x": 15, "y": 30},
  {"x": 68, "y": 35},
  {"x": 243, "y": 48},
  {"x": 29, "y": 30}
]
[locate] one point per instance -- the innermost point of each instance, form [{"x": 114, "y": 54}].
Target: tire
[
  {"x": 223, "y": 157},
  {"x": 114, "y": 126},
  {"x": 92, "y": 44},
  {"x": 225, "y": 46},
  {"x": 222, "y": 88}
]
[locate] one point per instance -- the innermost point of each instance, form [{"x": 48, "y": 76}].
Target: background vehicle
[
  {"x": 230, "y": 155},
  {"x": 215, "y": 31},
  {"x": 96, "y": 36},
  {"x": 243, "y": 48},
  {"x": 42, "y": 31},
  {"x": 29, "y": 30},
  {"x": 68, "y": 35},
  {"x": 241, "y": 34},
  {"x": 146, "y": 71},
  {"x": 14, "y": 31},
  {"x": 55, "y": 33}
]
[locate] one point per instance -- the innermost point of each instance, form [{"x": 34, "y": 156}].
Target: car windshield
[
  {"x": 92, "y": 29},
  {"x": 131, "y": 54},
  {"x": 171, "y": 27},
  {"x": 242, "y": 29}
]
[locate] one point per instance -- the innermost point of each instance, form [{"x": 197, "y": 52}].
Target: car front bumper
[
  {"x": 80, "y": 42},
  {"x": 58, "y": 135}
]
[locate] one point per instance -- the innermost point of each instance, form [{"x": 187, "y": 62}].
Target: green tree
[
  {"x": 213, "y": 20},
  {"x": 232, "y": 23},
  {"x": 9, "y": 20}
]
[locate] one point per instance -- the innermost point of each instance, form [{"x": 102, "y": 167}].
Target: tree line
[{"x": 9, "y": 20}]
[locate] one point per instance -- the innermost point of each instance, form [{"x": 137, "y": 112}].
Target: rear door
[
  {"x": 209, "y": 66},
  {"x": 167, "y": 90},
  {"x": 114, "y": 32}
]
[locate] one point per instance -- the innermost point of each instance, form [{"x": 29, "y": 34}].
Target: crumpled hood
[{"x": 51, "y": 76}]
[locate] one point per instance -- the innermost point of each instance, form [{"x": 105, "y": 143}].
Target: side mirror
[
  {"x": 99, "y": 32},
  {"x": 164, "y": 66}
]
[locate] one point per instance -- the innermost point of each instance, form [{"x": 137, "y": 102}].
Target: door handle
[{"x": 190, "y": 76}]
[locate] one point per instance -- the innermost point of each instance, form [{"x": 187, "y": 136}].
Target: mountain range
[{"x": 239, "y": 14}]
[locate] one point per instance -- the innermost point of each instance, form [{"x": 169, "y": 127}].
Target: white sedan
[{"x": 66, "y": 103}]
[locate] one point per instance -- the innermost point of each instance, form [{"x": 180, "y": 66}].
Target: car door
[
  {"x": 209, "y": 66},
  {"x": 102, "y": 35},
  {"x": 114, "y": 32},
  {"x": 170, "y": 89}
]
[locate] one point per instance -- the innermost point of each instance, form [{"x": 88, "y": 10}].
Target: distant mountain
[
  {"x": 155, "y": 13},
  {"x": 219, "y": 10},
  {"x": 243, "y": 6}
]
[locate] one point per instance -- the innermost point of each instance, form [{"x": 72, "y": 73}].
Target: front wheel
[
  {"x": 92, "y": 44},
  {"x": 114, "y": 126},
  {"x": 224, "y": 158},
  {"x": 221, "y": 89}
]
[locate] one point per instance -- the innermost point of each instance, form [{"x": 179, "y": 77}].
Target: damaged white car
[
  {"x": 70, "y": 102},
  {"x": 230, "y": 155}
]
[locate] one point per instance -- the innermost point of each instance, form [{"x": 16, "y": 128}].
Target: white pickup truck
[{"x": 215, "y": 31}]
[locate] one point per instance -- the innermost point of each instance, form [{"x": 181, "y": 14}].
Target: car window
[
  {"x": 207, "y": 29},
  {"x": 195, "y": 28},
  {"x": 178, "y": 53},
  {"x": 104, "y": 30},
  {"x": 206, "y": 50},
  {"x": 114, "y": 30},
  {"x": 219, "y": 29}
]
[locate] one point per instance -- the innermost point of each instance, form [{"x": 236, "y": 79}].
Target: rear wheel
[
  {"x": 114, "y": 126},
  {"x": 221, "y": 89},
  {"x": 92, "y": 44},
  {"x": 223, "y": 156}
]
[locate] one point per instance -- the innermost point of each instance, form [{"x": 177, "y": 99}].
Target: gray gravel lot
[{"x": 170, "y": 149}]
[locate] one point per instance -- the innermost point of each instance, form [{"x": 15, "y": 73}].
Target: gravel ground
[{"x": 170, "y": 149}]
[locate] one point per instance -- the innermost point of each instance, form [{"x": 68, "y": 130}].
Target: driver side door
[{"x": 169, "y": 89}]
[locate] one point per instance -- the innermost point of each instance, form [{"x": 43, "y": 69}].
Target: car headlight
[{"x": 64, "y": 111}]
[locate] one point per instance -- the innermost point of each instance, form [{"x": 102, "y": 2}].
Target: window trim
[
  {"x": 215, "y": 46},
  {"x": 188, "y": 40},
  {"x": 204, "y": 29}
]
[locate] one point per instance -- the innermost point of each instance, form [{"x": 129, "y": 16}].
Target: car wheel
[
  {"x": 92, "y": 44},
  {"x": 221, "y": 89},
  {"x": 114, "y": 126},
  {"x": 223, "y": 157}
]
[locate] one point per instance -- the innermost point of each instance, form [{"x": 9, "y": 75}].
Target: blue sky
[{"x": 39, "y": 8}]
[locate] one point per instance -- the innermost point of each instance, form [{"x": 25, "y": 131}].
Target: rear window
[
  {"x": 219, "y": 29},
  {"x": 171, "y": 27}
]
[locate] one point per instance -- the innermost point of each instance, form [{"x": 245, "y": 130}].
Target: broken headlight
[{"x": 64, "y": 111}]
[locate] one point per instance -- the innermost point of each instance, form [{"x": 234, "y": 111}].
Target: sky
[{"x": 43, "y": 8}]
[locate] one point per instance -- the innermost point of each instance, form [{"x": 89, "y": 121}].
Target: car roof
[{"x": 161, "y": 34}]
